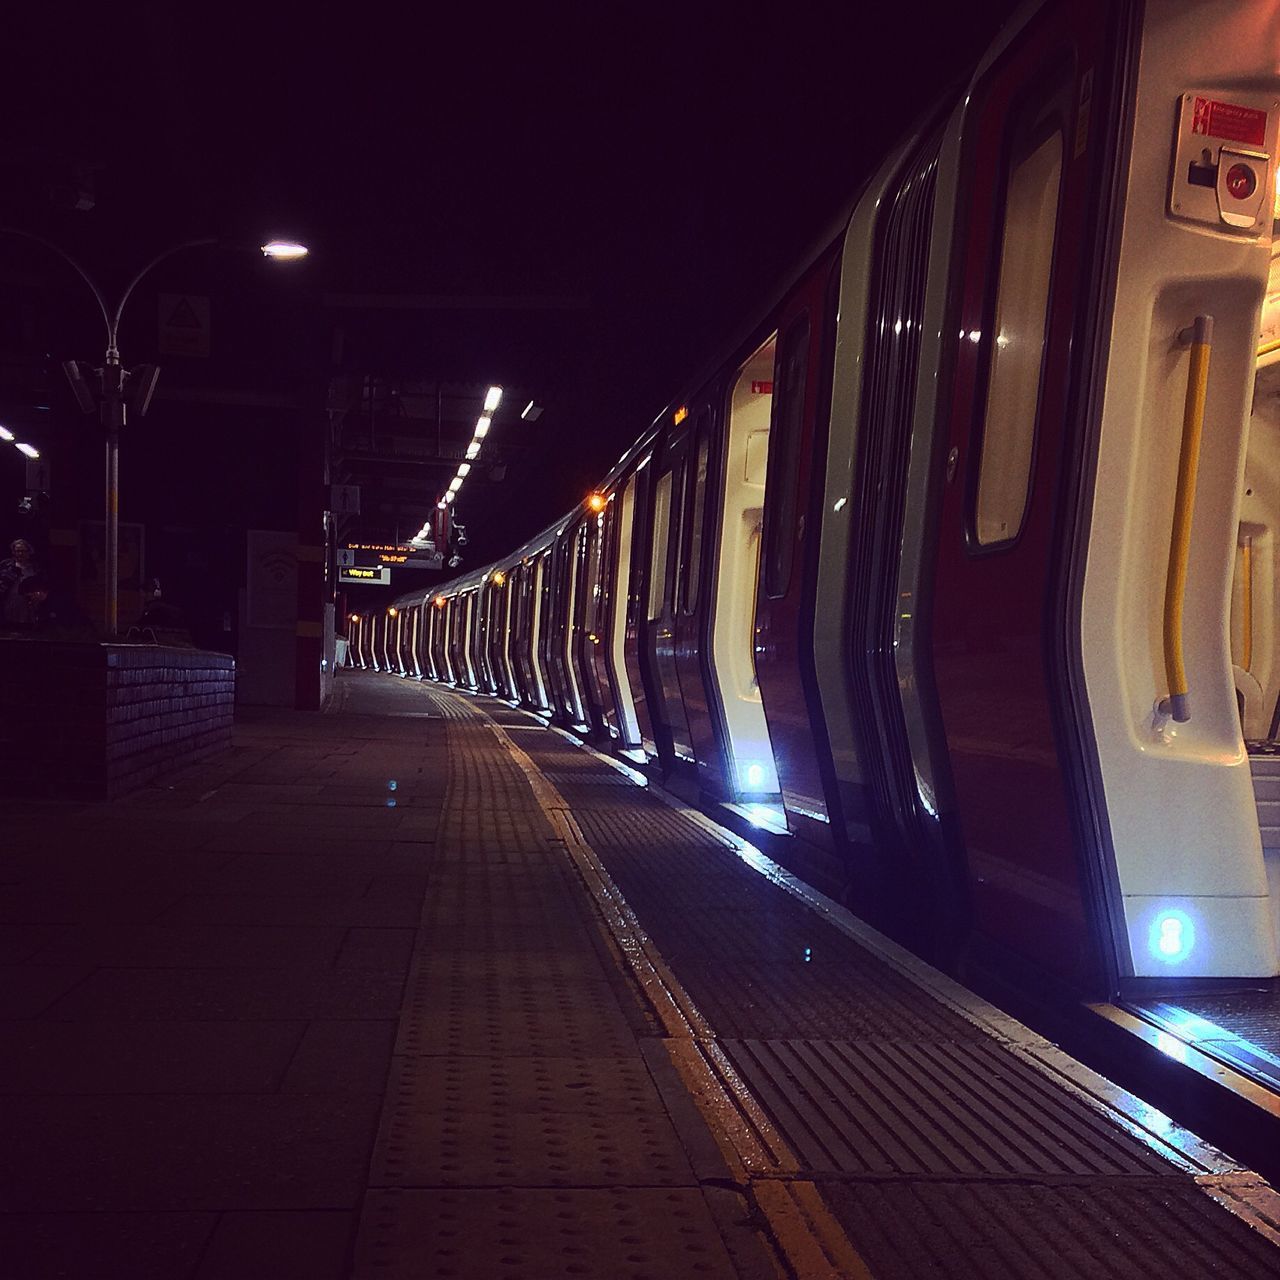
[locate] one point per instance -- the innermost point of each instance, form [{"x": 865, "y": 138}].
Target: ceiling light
[
  {"x": 440, "y": 506},
  {"x": 455, "y": 484},
  {"x": 284, "y": 250},
  {"x": 448, "y": 497},
  {"x": 6, "y": 434},
  {"x": 30, "y": 450},
  {"x": 493, "y": 399},
  {"x": 482, "y": 426},
  {"x": 531, "y": 412},
  {"x": 473, "y": 450},
  {"x": 464, "y": 468}
]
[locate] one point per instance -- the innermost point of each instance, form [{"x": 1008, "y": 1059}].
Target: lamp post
[{"x": 117, "y": 389}]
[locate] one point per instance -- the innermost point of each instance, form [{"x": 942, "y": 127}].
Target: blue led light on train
[{"x": 1172, "y": 936}]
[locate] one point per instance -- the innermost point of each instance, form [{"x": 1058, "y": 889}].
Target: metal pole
[
  {"x": 113, "y": 415},
  {"x": 112, "y": 619}
]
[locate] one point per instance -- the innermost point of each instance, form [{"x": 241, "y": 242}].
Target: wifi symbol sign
[{"x": 278, "y": 565}]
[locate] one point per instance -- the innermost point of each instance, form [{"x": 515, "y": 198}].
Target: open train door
[{"x": 1040, "y": 124}]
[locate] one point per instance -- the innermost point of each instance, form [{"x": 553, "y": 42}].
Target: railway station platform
[{"x": 421, "y": 988}]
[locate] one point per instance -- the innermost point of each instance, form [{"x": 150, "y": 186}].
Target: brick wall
[{"x": 95, "y": 721}]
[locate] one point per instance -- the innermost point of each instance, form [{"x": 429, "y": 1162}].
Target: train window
[
  {"x": 1022, "y": 298},
  {"x": 784, "y": 458},
  {"x": 658, "y": 560},
  {"x": 697, "y": 510}
]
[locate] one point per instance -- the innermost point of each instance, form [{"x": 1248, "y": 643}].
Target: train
[{"x": 957, "y": 570}]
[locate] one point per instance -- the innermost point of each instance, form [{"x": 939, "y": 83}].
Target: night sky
[{"x": 665, "y": 166}]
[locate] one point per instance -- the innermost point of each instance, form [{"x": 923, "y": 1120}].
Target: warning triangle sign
[
  {"x": 184, "y": 324},
  {"x": 183, "y": 316}
]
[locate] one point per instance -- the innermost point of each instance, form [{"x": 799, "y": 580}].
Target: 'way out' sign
[{"x": 184, "y": 324}]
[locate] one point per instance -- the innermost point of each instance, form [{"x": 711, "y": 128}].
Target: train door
[
  {"x": 386, "y": 623},
  {"x": 671, "y": 468},
  {"x": 480, "y": 638},
  {"x": 638, "y": 571},
  {"x": 737, "y": 572},
  {"x": 506, "y": 638},
  {"x": 594, "y": 676},
  {"x": 440, "y": 639},
  {"x": 785, "y": 604},
  {"x": 470, "y": 639},
  {"x": 692, "y": 608},
  {"x": 540, "y": 590},
  {"x": 619, "y": 597},
  {"x": 1178, "y": 633},
  {"x": 572, "y": 550},
  {"x": 521, "y": 617},
  {"x": 428, "y": 611},
  {"x": 1026, "y": 228}
]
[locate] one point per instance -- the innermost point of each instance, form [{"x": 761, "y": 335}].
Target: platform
[{"x": 420, "y": 987}]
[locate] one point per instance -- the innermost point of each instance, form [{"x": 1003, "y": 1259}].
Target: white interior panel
[{"x": 1179, "y": 797}]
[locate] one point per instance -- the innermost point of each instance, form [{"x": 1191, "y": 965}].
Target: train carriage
[{"x": 961, "y": 564}]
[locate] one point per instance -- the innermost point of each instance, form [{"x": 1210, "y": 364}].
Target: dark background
[{"x": 641, "y": 179}]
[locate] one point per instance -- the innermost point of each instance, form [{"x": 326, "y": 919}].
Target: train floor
[{"x": 420, "y": 988}]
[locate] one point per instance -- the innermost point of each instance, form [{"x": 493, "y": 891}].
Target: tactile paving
[
  {"x": 818, "y": 997},
  {"x": 971, "y": 1110},
  {"x": 537, "y": 1234},
  {"x": 537, "y": 1017},
  {"x": 1123, "y": 1229},
  {"x": 527, "y": 1086},
  {"x": 589, "y": 1147}
]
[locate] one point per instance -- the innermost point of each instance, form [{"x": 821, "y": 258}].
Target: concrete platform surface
[{"x": 418, "y": 988}]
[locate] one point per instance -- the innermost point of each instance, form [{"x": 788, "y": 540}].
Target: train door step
[
  {"x": 1239, "y": 1027},
  {"x": 1264, "y": 764}
]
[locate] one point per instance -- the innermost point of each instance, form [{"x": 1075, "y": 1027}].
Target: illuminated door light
[{"x": 1172, "y": 936}]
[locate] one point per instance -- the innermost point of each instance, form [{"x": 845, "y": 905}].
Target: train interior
[{"x": 738, "y": 569}]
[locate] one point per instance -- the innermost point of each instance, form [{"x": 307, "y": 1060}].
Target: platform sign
[
  {"x": 378, "y": 575},
  {"x": 184, "y": 324},
  {"x": 344, "y": 499}
]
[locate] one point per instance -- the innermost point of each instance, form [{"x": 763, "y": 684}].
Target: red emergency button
[{"x": 1242, "y": 182}]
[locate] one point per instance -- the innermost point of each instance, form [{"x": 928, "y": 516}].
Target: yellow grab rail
[
  {"x": 1246, "y": 605},
  {"x": 1200, "y": 336}
]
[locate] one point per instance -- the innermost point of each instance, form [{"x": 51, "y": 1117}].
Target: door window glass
[
  {"x": 658, "y": 562},
  {"x": 782, "y": 500},
  {"x": 1013, "y": 389},
  {"x": 698, "y": 500}
]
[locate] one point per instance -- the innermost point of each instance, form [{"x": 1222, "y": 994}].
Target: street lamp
[{"x": 118, "y": 389}]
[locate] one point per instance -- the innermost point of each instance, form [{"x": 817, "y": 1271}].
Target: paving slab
[
  {"x": 239, "y": 994},
  {"x": 103, "y": 1057},
  {"x": 184, "y": 1153},
  {"x": 68, "y": 1246}
]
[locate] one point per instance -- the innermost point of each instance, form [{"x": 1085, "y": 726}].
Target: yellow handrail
[
  {"x": 1246, "y": 605},
  {"x": 1200, "y": 335}
]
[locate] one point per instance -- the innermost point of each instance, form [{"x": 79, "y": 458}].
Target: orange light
[
  {"x": 597, "y": 502},
  {"x": 392, "y": 611},
  {"x": 499, "y": 577},
  {"x": 355, "y": 617},
  {"x": 681, "y": 414},
  {"x": 440, "y": 602}
]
